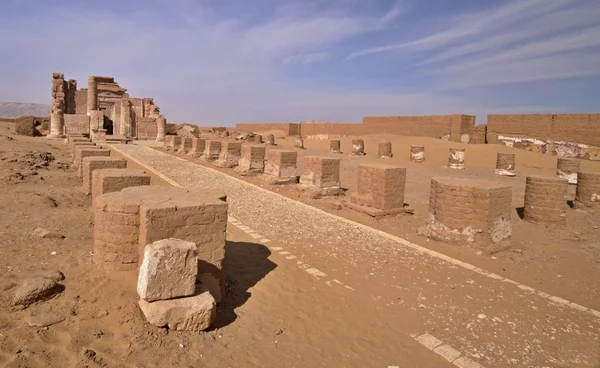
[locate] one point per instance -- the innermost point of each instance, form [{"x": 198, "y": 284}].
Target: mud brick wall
[
  {"x": 289, "y": 129},
  {"x": 7, "y": 120},
  {"x": 435, "y": 126},
  {"x": 478, "y": 134},
  {"x": 331, "y": 128},
  {"x": 146, "y": 128},
  {"x": 579, "y": 128},
  {"x": 77, "y": 123}
]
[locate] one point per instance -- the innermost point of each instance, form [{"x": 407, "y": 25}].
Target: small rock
[
  {"x": 97, "y": 333},
  {"x": 409, "y": 210},
  {"x": 43, "y": 233},
  {"x": 55, "y": 275},
  {"x": 422, "y": 306},
  {"x": 44, "y": 320},
  {"x": 34, "y": 290},
  {"x": 482, "y": 316},
  {"x": 278, "y": 332},
  {"x": 101, "y": 314},
  {"x": 89, "y": 354}
]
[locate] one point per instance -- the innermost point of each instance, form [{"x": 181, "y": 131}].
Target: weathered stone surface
[
  {"x": 195, "y": 313},
  {"x": 168, "y": 270},
  {"x": 52, "y": 275},
  {"x": 43, "y": 233},
  {"x": 44, "y": 320},
  {"x": 34, "y": 290}
]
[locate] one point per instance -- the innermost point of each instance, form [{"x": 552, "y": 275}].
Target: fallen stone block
[
  {"x": 35, "y": 290},
  {"x": 195, "y": 313},
  {"x": 168, "y": 270}
]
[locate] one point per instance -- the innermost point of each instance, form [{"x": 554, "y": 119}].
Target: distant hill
[{"x": 14, "y": 109}]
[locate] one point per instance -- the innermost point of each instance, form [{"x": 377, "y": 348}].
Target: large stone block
[
  {"x": 83, "y": 152},
  {"x": 195, "y": 313},
  {"x": 230, "y": 154},
  {"x": 252, "y": 160},
  {"x": 212, "y": 150},
  {"x": 197, "y": 149},
  {"x": 322, "y": 174},
  {"x": 280, "y": 167},
  {"x": 380, "y": 190},
  {"x": 169, "y": 269},
  {"x": 114, "y": 180},
  {"x": 172, "y": 142},
  {"x": 185, "y": 146},
  {"x": 92, "y": 163},
  {"x": 470, "y": 211}
]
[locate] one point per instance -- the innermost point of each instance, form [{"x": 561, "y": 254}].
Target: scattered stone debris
[
  {"x": 43, "y": 233},
  {"x": 35, "y": 290}
]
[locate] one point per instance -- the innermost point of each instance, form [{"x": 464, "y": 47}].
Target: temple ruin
[{"x": 103, "y": 110}]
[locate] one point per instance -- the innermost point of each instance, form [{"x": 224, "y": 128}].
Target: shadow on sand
[{"x": 246, "y": 264}]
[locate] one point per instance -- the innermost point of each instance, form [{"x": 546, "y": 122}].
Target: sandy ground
[{"x": 361, "y": 303}]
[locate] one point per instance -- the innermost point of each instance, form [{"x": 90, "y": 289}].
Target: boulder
[
  {"x": 35, "y": 290},
  {"x": 43, "y": 233},
  {"x": 195, "y": 313},
  {"x": 168, "y": 270}
]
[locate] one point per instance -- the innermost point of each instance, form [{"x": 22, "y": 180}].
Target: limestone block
[
  {"x": 195, "y": 313},
  {"x": 212, "y": 150},
  {"x": 92, "y": 163},
  {"x": 323, "y": 174},
  {"x": 169, "y": 268},
  {"x": 197, "y": 149},
  {"x": 114, "y": 180},
  {"x": 380, "y": 190},
  {"x": 280, "y": 167},
  {"x": 252, "y": 160},
  {"x": 230, "y": 154},
  {"x": 83, "y": 152}
]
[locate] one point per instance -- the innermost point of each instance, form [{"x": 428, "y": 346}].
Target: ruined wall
[
  {"x": 435, "y": 126},
  {"x": 478, "y": 134},
  {"x": 146, "y": 128},
  {"x": 77, "y": 123},
  {"x": 579, "y": 128},
  {"x": 307, "y": 129},
  {"x": 81, "y": 101}
]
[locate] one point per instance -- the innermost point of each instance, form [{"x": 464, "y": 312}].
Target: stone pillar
[
  {"x": 270, "y": 140},
  {"x": 186, "y": 145},
  {"x": 505, "y": 164},
  {"x": 468, "y": 210},
  {"x": 567, "y": 168},
  {"x": 545, "y": 200},
  {"x": 280, "y": 167},
  {"x": 198, "y": 145},
  {"x": 173, "y": 142},
  {"x": 380, "y": 190},
  {"x": 96, "y": 120},
  {"x": 125, "y": 126},
  {"x": 358, "y": 147},
  {"x": 456, "y": 160},
  {"x": 588, "y": 190},
  {"x": 385, "y": 149},
  {"x": 322, "y": 176},
  {"x": 252, "y": 160},
  {"x": 92, "y": 95},
  {"x": 161, "y": 123},
  {"x": 417, "y": 154},
  {"x": 230, "y": 154},
  {"x": 57, "y": 112},
  {"x": 98, "y": 136},
  {"x": 299, "y": 143},
  {"x": 114, "y": 180},
  {"x": 335, "y": 146},
  {"x": 212, "y": 150},
  {"x": 82, "y": 152},
  {"x": 257, "y": 138},
  {"x": 92, "y": 163}
]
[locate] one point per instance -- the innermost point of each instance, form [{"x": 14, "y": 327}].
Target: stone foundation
[
  {"x": 385, "y": 149},
  {"x": 380, "y": 190},
  {"x": 252, "y": 160},
  {"x": 335, "y": 146},
  {"x": 90, "y": 164},
  {"x": 588, "y": 190},
  {"x": 197, "y": 149},
  {"x": 172, "y": 142},
  {"x": 358, "y": 147},
  {"x": 114, "y": 180},
  {"x": 280, "y": 167},
  {"x": 322, "y": 176},
  {"x": 230, "y": 154},
  {"x": 505, "y": 164},
  {"x": 567, "y": 168},
  {"x": 212, "y": 150},
  {"x": 185, "y": 146},
  {"x": 545, "y": 200},
  {"x": 456, "y": 160},
  {"x": 471, "y": 211},
  {"x": 83, "y": 152},
  {"x": 417, "y": 154},
  {"x": 126, "y": 221}
]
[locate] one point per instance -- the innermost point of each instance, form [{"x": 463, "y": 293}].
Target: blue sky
[{"x": 226, "y": 61}]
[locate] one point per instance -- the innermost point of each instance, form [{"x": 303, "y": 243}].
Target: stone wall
[
  {"x": 569, "y": 135},
  {"x": 77, "y": 123},
  {"x": 478, "y": 134},
  {"x": 146, "y": 128}
]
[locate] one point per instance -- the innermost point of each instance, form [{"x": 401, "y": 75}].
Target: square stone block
[
  {"x": 114, "y": 180},
  {"x": 197, "y": 149},
  {"x": 83, "y": 152},
  {"x": 380, "y": 190},
  {"x": 92, "y": 163},
  {"x": 280, "y": 167},
  {"x": 230, "y": 154},
  {"x": 252, "y": 160},
  {"x": 212, "y": 150}
]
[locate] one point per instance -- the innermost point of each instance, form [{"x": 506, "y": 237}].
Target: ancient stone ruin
[{"x": 103, "y": 109}]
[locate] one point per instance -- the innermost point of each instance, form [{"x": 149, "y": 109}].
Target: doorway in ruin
[{"x": 108, "y": 125}]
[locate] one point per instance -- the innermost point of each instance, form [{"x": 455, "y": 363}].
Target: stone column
[
  {"x": 567, "y": 168},
  {"x": 385, "y": 149},
  {"x": 417, "y": 153},
  {"x": 456, "y": 160},
  {"x": 588, "y": 190},
  {"x": 57, "y": 112},
  {"x": 161, "y": 123},
  {"x": 505, "y": 164},
  {"x": 334, "y": 146},
  {"x": 125, "y": 126},
  {"x": 92, "y": 97},
  {"x": 545, "y": 200},
  {"x": 358, "y": 147}
]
